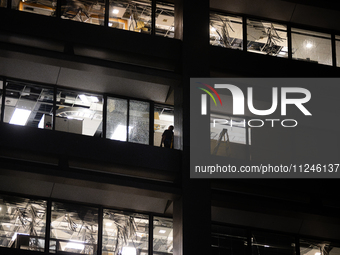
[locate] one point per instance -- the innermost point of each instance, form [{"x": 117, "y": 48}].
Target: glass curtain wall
[
  {"x": 272, "y": 244},
  {"x": 22, "y": 223},
  {"x": 74, "y": 228},
  {"x": 165, "y": 19},
  {"x": 130, "y": 15},
  {"x": 267, "y": 38},
  {"x": 41, "y": 7},
  {"x": 87, "y": 11},
  {"x": 125, "y": 233},
  {"x": 28, "y": 105},
  {"x": 79, "y": 112},
  {"x": 162, "y": 236},
  {"x": 311, "y": 46},
  {"x": 226, "y": 31}
]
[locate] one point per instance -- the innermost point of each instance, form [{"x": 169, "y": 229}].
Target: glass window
[
  {"x": 125, "y": 233},
  {"x": 3, "y": 3},
  {"x": 162, "y": 235},
  {"x": 318, "y": 247},
  {"x": 311, "y": 46},
  {"x": 227, "y": 240},
  {"x": 165, "y": 19},
  {"x": 74, "y": 229},
  {"x": 28, "y": 105},
  {"x": 79, "y": 112},
  {"x": 130, "y": 15},
  {"x": 117, "y": 119},
  {"x": 267, "y": 38},
  {"x": 228, "y": 136},
  {"x": 91, "y": 12},
  {"x": 226, "y": 31},
  {"x": 42, "y": 7},
  {"x": 139, "y": 113},
  {"x": 272, "y": 244},
  {"x": 163, "y": 118},
  {"x": 22, "y": 223},
  {"x": 337, "y": 50}
]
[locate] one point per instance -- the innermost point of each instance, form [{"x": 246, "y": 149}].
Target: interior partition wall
[{"x": 61, "y": 227}]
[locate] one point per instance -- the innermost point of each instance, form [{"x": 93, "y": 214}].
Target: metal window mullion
[
  {"x": 153, "y": 17},
  {"x": 151, "y": 123},
  {"x": 297, "y": 245},
  {"x": 104, "y": 116},
  {"x": 127, "y": 120},
  {"x": 3, "y": 99},
  {"x": 55, "y": 91},
  {"x": 333, "y": 50},
  {"x": 150, "y": 244},
  {"x": 244, "y": 33},
  {"x": 58, "y": 11},
  {"x": 247, "y": 141},
  {"x": 290, "y": 45},
  {"x": 106, "y": 14},
  {"x": 48, "y": 225},
  {"x": 100, "y": 231},
  {"x": 249, "y": 243}
]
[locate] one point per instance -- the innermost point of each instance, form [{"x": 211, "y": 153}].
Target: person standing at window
[{"x": 168, "y": 137}]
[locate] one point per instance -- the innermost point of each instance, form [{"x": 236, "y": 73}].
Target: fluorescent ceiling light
[
  {"x": 115, "y": 11},
  {"x": 20, "y": 117},
  {"x": 120, "y": 133},
  {"x": 108, "y": 224},
  {"x": 75, "y": 245},
  {"x": 317, "y": 253},
  {"x": 94, "y": 99},
  {"x": 162, "y": 231},
  {"x": 309, "y": 45},
  {"x": 129, "y": 251},
  {"x": 83, "y": 98},
  {"x": 213, "y": 29}
]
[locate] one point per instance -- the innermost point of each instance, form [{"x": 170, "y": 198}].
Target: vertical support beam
[
  {"x": 58, "y": 11},
  {"x": 333, "y": 50},
  {"x": 151, "y": 123},
  {"x": 297, "y": 245},
  {"x": 153, "y": 17},
  {"x": 128, "y": 120},
  {"x": 9, "y": 4},
  {"x": 3, "y": 99},
  {"x": 244, "y": 34},
  {"x": 107, "y": 15},
  {"x": 247, "y": 141},
  {"x": 150, "y": 244},
  {"x": 289, "y": 38},
  {"x": 100, "y": 231},
  {"x": 48, "y": 226},
  {"x": 192, "y": 27},
  {"x": 104, "y": 116}
]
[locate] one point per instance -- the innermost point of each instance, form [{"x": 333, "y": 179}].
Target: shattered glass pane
[
  {"x": 267, "y": 38},
  {"x": 74, "y": 229},
  {"x": 84, "y": 11},
  {"x": 163, "y": 235},
  {"x": 130, "y": 15},
  {"x": 116, "y": 119},
  {"x": 311, "y": 46},
  {"x": 139, "y": 122},
  {"x": 125, "y": 233},
  {"x": 226, "y": 31},
  {"x": 22, "y": 223}
]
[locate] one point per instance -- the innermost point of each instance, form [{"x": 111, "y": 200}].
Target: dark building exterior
[{"x": 100, "y": 80}]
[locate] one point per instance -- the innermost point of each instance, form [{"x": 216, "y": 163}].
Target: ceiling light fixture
[
  {"x": 115, "y": 11},
  {"x": 317, "y": 253},
  {"x": 309, "y": 45},
  {"x": 162, "y": 231},
  {"x": 108, "y": 224},
  {"x": 129, "y": 251},
  {"x": 75, "y": 245},
  {"x": 94, "y": 99},
  {"x": 83, "y": 98},
  {"x": 20, "y": 117}
]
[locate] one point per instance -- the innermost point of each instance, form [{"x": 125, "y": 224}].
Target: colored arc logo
[{"x": 208, "y": 92}]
